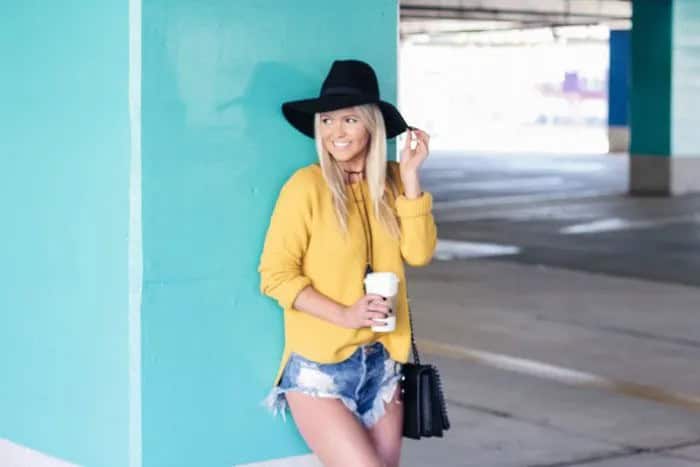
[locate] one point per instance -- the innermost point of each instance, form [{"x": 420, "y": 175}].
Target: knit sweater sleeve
[
  {"x": 280, "y": 268},
  {"x": 418, "y": 230}
]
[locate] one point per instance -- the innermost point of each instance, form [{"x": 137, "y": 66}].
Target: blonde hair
[{"x": 375, "y": 171}]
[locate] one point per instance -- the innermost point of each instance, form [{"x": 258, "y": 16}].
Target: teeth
[{"x": 339, "y": 144}]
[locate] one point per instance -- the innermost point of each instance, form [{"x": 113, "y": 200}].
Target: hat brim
[{"x": 300, "y": 114}]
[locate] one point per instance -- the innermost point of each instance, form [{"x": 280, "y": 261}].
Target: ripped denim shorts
[{"x": 363, "y": 382}]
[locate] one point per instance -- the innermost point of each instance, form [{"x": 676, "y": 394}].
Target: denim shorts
[{"x": 363, "y": 382}]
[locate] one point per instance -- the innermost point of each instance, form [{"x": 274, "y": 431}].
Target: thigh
[
  {"x": 332, "y": 431},
  {"x": 387, "y": 433}
]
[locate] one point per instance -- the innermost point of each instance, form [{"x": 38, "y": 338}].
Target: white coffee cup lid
[
  {"x": 382, "y": 276},
  {"x": 382, "y": 283}
]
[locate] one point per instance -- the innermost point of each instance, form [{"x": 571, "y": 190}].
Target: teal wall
[
  {"x": 650, "y": 94},
  {"x": 665, "y": 94},
  {"x": 686, "y": 78},
  {"x": 216, "y": 151},
  {"x": 64, "y": 197}
]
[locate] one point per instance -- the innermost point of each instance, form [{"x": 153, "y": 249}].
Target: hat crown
[
  {"x": 349, "y": 83},
  {"x": 351, "y": 77}
]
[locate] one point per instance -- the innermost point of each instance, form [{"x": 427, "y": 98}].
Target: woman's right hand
[{"x": 363, "y": 312}]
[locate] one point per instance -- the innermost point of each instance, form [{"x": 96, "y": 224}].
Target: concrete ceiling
[{"x": 438, "y": 17}]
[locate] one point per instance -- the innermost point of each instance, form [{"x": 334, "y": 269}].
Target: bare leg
[
  {"x": 387, "y": 433},
  {"x": 332, "y": 431}
]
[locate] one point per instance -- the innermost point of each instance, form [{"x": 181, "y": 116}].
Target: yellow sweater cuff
[
  {"x": 288, "y": 292},
  {"x": 421, "y": 206}
]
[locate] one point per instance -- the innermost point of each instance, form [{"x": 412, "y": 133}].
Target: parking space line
[
  {"x": 447, "y": 250},
  {"x": 560, "y": 374},
  {"x": 478, "y": 202},
  {"x": 616, "y": 224}
]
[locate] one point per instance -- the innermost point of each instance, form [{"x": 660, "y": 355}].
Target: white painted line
[
  {"x": 309, "y": 460},
  {"x": 616, "y": 224},
  {"x": 16, "y": 455},
  {"x": 560, "y": 374},
  {"x": 603, "y": 225},
  {"x": 447, "y": 250},
  {"x": 438, "y": 175},
  {"x": 518, "y": 212},
  {"x": 506, "y": 184},
  {"x": 516, "y": 364},
  {"x": 520, "y": 199},
  {"x": 578, "y": 167},
  {"x": 135, "y": 235}
]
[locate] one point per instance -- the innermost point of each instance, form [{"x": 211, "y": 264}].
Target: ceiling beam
[
  {"x": 447, "y": 12},
  {"x": 524, "y": 27}
]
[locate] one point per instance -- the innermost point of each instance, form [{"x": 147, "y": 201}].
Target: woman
[{"x": 333, "y": 222}]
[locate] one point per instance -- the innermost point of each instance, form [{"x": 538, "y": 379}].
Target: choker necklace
[{"x": 350, "y": 173}]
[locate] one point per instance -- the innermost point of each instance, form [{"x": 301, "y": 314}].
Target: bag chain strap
[
  {"x": 414, "y": 347},
  {"x": 438, "y": 380}
]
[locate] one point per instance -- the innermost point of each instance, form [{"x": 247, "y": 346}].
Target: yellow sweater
[{"x": 305, "y": 246}]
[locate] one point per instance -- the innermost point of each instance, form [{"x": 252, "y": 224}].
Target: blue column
[{"x": 618, "y": 91}]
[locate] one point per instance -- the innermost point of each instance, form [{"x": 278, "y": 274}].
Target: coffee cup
[{"x": 385, "y": 284}]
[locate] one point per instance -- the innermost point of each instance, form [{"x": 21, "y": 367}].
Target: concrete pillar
[
  {"x": 143, "y": 151},
  {"x": 665, "y": 143},
  {"x": 618, "y": 91},
  {"x": 216, "y": 151}
]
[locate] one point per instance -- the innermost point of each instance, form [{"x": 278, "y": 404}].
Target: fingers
[
  {"x": 407, "y": 143},
  {"x": 423, "y": 138},
  {"x": 418, "y": 132},
  {"x": 374, "y": 318},
  {"x": 377, "y": 306},
  {"x": 421, "y": 134},
  {"x": 372, "y": 315},
  {"x": 372, "y": 297},
  {"x": 376, "y": 303},
  {"x": 420, "y": 143}
]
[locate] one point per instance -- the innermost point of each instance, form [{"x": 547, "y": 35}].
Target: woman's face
[{"x": 344, "y": 135}]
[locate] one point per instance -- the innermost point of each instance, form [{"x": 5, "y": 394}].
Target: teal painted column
[
  {"x": 216, "y": 151},
  {"x": 665, "y": 144},
  {"x": 142, "y": 154},
  {"x": 65, "y": 151}
]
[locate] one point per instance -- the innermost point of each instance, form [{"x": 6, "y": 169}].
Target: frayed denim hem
[
  {"x": 385, "y": 395},
  {"x": 276, "y": 402}
]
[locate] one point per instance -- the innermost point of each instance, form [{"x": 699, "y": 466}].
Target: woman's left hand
[{"x": 411, "y": 160}]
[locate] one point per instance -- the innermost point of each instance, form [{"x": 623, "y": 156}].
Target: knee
[
  {"x": 374, "y": 461},
  {"x": 390, "y": 459}
]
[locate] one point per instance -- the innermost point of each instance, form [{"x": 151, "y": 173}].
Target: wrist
[
  {"x": 413, "y": 194},
  {"x": 340, "y": 315},
  {"x": 412, "y": 190},
  {"x": 411, "y": 185}
]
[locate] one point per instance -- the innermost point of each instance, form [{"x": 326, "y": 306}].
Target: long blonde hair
[{"x": 375, "y": 171}]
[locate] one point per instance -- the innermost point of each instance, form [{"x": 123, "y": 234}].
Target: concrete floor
[
  {"x": 580, "y": 344},
  {"x": 570, "y": 212}
]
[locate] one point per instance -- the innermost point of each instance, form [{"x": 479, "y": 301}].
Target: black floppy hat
[{"x": 348, "y": 83}]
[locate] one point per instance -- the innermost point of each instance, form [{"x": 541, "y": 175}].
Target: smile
[{"x": 341, "y": 144}]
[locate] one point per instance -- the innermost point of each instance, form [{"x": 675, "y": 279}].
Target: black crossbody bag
[
  {"x": 424, "y": 412},
  {"x": 424, "y": 409}
]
